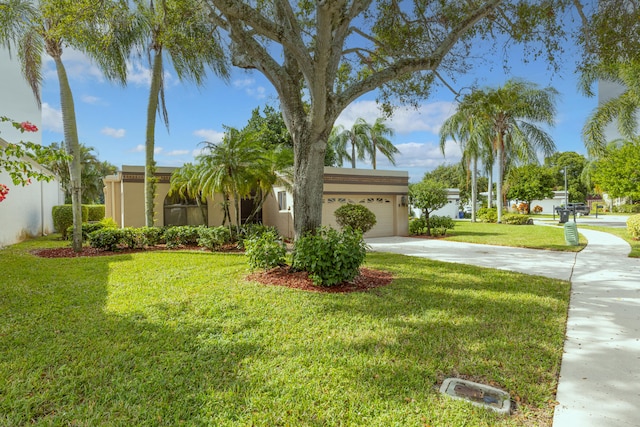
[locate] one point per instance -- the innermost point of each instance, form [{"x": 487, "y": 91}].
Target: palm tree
[
  {"x": 623, "y": 107},
  {"x": 185, "y": 182},
  {"x": 231, "y": 168},
  {"x": 181, "y": 30},
  {"x": 357, "y": 136},
  {"x": 463, "y": 127},
  {"x": 509, "y": 116},
  {"x": 377, "y": 136},
  {"x": 93, "y": 171},
  {"x": 98, "y": 29}
]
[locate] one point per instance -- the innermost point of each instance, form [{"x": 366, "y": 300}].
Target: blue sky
[{"x": 112, "y": 118}]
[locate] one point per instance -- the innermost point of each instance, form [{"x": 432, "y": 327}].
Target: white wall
[{"x": 27, "y": 210}]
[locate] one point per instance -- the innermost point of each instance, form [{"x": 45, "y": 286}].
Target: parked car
[{"x": 576, "y": 208}]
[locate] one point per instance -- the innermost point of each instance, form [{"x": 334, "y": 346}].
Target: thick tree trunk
[
  {"x": 308, "y": 177},
  {"x": 150, "y": 164},
  {"x": 73, "y": 149}
]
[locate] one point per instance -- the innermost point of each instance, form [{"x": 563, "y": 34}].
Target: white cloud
[
  {"x": 425, "y": 155},
  {"x": 209, "y": 135},
  {"x": 116, "y": 133},
  {"x": 88, "y": 99},
  {"x": 138, "y": 74},
  {"x": 426, "y": 118},
  {"x": 178, "y": 152},
  {"x": 140, "y": 148},
  {"x": 258, "y": 92},
  {"x": 51, "y": 119}
]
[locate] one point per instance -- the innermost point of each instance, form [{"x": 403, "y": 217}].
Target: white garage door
[{"x": 381, "y": 206}]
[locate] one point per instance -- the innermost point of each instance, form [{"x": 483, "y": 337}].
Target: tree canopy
[
  {"x": 618, "y": 171},
  {"x": 322, "y": 55},
  {"x": 529, "y": 182}
]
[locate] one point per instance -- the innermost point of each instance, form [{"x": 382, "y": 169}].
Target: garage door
[{"x": 381, "y": 206}]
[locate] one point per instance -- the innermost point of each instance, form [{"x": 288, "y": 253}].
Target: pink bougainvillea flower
[
  {"x": 3, "y": 192},
  {"x": 29, "y": 127}
]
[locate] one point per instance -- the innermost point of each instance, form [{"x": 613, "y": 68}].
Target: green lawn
[
  {"x": 523, "y": 236},
  {"x": 180, "y": 338}
]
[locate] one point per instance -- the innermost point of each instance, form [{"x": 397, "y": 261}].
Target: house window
[{"x": 282, "y": 200}]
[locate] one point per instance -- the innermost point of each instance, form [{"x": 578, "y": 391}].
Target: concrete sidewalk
[{"x": 600, "y": 374}]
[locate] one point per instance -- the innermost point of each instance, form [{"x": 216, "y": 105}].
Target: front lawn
[
  {"x": 522, "y": 236},
  {"x": 181, "y": 338}
]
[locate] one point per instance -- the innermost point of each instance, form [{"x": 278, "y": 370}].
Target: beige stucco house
[{"x": 385, "y": 193}]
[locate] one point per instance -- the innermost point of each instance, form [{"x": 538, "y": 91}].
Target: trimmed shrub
[
  {"x": 95, "y": 212},
  {"x": 633, "y": 226},
  {"x": 488, "y": 214},
  {"x": 265, "y": 251},
  {"x": 357, "y": 217},
  {"x": 181, "y": 235},
  {"x": 106, "y": 238},
  {"x": 515, "y": 219},
  {"x": 418, "y": 226},
  {"x": 132, "y": 238},
  {"x": 214, "y": 237},
  {"x": 330, "y": 256},
  {"x": 63, "y": 218},
  {"x": 151, "y": 236},
  {"x": 250, "y": 231},
  {"x": 627, "y": 208},
  {"x": 537, "y": 209}
]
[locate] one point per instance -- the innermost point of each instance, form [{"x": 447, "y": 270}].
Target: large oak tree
[{"x": 322, "y": 55}]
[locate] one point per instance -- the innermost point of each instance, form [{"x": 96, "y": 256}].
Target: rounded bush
[
  {"x": 633, "y": 226},
  {"x": 265, "y": 251},
  {"x": 357, "y": 217},
  {"x": 330, "y": 256}
]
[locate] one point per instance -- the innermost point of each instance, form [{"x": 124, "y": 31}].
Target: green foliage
[
  {"x": 418, "y": 226},
  {"x": 106, "y": 238},
  {"x": 529, "y": 182},
  {"x": 330, "y": 256},
  {"x": 438, "y": 224},
  {"x": 515, "y": 219},
  {"x": 132, "y": 238},
  {"x": 488, "y": 215},
  {"x": 90, "y": 227},
  {"x": 213, "y": 238},
  {"x": 95, "y": 212},
  {"x": 618, "y": 171},
  {"x": 627, "y": 208},
  {"x": 152, "y": 236},
  {"x": 633, "y": 226},
  {"x": 63, "y": 218},
  {"x": 265, "y": 251},
  {"x": 250, "y": 231},
  {"x": 428, "y": 195},
  {"x": 357, "y": 217},
  {"x": 183, "y": 235}
]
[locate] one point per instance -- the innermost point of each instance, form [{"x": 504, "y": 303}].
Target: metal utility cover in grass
[{"x": 477, "y": 394}]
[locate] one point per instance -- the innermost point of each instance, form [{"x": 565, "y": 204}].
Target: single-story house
[
  {"x": 451, "y": 209},
  {"x": 385, "y": 193}
]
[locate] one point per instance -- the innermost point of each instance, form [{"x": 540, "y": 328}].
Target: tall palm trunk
[
  {"x": 490, "y": 188},
  {"x": 353, "y": 153},
  {"x": 474, "y": 188},
  {"x": 73, "y": 147},
  {"x": 150, "y": 164},
  {"x": 499, "y": 155}
]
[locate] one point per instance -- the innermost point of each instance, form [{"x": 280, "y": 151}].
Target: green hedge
[
  {"x": 63, "y": 217},
  {"x": 633, "y": 226},
  {"x": 516, "y": 219},
  {"x": 96, "y": 212}
]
